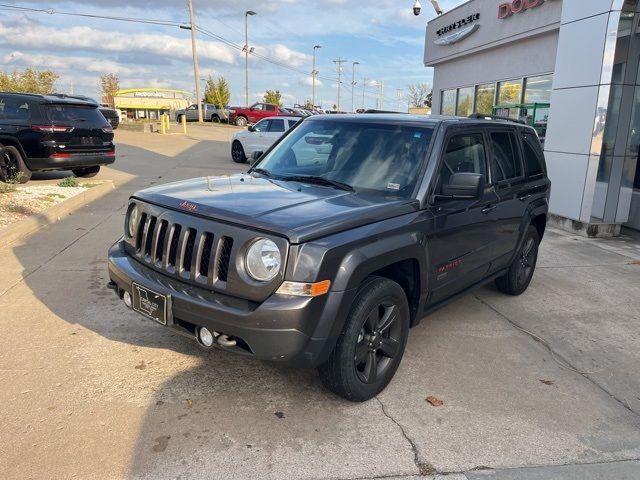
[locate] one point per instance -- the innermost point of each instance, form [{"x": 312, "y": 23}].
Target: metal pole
[
  {"x": 196, "y": 68},
  {"x": 339, "y": 62},
  {"x": 364, "y": 87},
  {"x": 246, "y": 55},
  {"x": 353, "y": 85},
  {"x": 313, "y": 74}
]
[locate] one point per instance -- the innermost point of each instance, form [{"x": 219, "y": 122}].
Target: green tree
[
  {"x": 217, "y": 92},
  {"x": 273, "y": 96},
  {"x": 308, "y": 105},
  {"x": 29, "y": 81},
  {"x": 109, "y": 85}
]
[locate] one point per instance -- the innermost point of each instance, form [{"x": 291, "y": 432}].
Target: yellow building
[{"x": 150, "y": 103}]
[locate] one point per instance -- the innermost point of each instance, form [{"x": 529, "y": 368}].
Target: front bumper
[{"x": 295, "y": 330}]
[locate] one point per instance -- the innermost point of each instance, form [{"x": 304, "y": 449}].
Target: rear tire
[
  {"x": 215, "y": 119},
  {"x": 241, "y": 122},
  {"x": 86, "y": 172},
  {"x": 370, "y": 347},
  {"x": 12, "y": 166},
  {"x": 237, "y": 152},
  {"x": 520, "y": 273}
]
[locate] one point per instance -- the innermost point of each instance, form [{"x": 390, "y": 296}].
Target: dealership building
[
  {"x": 571, "y": 69},
  {"x": 150, "y": 103}
]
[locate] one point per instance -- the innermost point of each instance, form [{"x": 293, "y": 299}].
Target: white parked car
[{"x": 259, "y": 137}]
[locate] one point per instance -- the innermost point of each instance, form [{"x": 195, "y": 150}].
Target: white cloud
[
  {"x": 284, "y": 54},
  {"x": 78, "y": 64},
  {"x": 308, "y": 81}
]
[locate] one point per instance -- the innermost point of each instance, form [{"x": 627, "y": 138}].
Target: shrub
[
  {"x": 7, "y": 187},
  {"x": 69, "y": 182}
]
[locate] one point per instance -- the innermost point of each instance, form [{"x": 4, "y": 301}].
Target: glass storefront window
[
  {"x": 465, "y": 102},
  {"x": 538, "y": 89},
  {"x": 510, "y": 91},
  {"x": 485, "y": 96},
  {"x": 448, "y": 106}
]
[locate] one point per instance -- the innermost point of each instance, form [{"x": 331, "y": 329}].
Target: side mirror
[
  {"x": 255, "y": 156},
  {"x": 464, "y": 186},
  {"x": 251, "y": 128}
]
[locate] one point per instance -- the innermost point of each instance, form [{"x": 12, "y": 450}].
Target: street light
[
  {"x": 313, "y": 75},
  {"x": 246, "y": 55},
  {"x": 353, "y": 83}
]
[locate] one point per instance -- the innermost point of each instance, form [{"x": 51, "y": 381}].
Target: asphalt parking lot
[{"x": 542, "y": 386}]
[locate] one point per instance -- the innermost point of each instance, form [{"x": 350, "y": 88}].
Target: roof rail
[
  {"x": 373, "y": 110},
  {"x": 482, "y": 116}
]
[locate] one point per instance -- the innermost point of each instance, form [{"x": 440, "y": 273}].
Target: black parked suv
[
  {"x": 344, "y": 234},
  {"x": 52, "y": 132}
]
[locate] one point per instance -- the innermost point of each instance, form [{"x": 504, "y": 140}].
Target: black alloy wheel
[
  {"x": 237, "y": 152},
  {"x": 370, "y": 347},
  {"x": 520, "y": 273},
  {"x": 378, "y": 342},
  {"x": 12, "y": 167}
]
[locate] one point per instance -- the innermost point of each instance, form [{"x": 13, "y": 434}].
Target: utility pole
[
  {"x": 339, "y": 62},
  {"x": 364, "y": 87},
  {"x": 196, "y": 68},
  {"x": 353, "y": 84},
  {"x": 399, "y": 94},
  {"x": 313, "y": 74},
  {"x": 381, "y": 95},
  {"x": 246, "y": 55}
]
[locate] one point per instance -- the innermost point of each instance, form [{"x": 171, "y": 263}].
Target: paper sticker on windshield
[
  {"x": 417, "y": 135},
  {"x": 393, "y": 186}
]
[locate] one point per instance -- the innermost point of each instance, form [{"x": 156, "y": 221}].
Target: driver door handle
[
  {"x": 524, "y": 197},
  {"x": 488, "y": 209}
]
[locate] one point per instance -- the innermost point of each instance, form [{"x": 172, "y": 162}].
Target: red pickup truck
[{"x": 241, "y": 116}]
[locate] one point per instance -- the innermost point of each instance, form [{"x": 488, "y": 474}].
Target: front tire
[
  {"x": 241, "y": 122},
  {"x": 86, "y": 172},
  {"x": 179, "y": 118},
  {"x": 520, "y": 273},
  {"x": 215, "y": 119},
  {"x": 237, "y": 152},
  {"x": 12, "y": 166},
  {"x": 370, "y": 347}
]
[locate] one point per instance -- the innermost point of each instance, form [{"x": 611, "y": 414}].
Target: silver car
[{"x": 259, "y": 137}]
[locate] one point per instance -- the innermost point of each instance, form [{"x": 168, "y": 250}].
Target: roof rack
[{"x": 482, "y": 116}]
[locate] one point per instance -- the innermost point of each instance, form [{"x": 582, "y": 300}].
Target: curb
[{"x": 18, "y": 230}]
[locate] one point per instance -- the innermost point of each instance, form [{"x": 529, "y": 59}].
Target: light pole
[
  {"x": 196, "y": 68},
  {"x": 364, "y": 87},
  {"x": 339, "y": 63},
  {"x": 353, "y": 84},
  {"x": 313, "y": 75},
  {"x": 246, "y": 55}
]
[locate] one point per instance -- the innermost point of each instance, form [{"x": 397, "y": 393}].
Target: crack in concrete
[
  {"x": 424, "y": 468},
  {"x": 555, "y": 354}
]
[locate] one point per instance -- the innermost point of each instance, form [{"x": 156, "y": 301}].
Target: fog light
[
  {"x": 206, "y": 337},
  {"x": 127, "y": 299}
]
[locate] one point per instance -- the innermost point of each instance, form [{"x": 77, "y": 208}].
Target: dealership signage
[
  {"x": 505, "y": 10},
  {"x": 458, "y": 30},
  {"x": 459, "y": 24}
]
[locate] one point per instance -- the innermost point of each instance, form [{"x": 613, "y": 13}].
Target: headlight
[
  {"x": 263, "y": 260},
  {"x": 132, "y": 221}
]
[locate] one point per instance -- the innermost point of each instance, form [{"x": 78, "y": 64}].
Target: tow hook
[{"x": 225, "y": 341}]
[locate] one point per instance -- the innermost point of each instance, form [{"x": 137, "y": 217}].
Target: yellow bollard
[
  {"x": 166, "y": 116},
  {"x": 184, "y": 124},
  {"x": 163, "y": 130}
]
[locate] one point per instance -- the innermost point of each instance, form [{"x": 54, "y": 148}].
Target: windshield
[{"x": 377, "y": 157}]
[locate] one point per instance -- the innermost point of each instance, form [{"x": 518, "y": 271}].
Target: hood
[{"x": 297, "y": 211}]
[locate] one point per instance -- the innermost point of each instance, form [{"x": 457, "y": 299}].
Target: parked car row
[{"x": 210, "y": 113}]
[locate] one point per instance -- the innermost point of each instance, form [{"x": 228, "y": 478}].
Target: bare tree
[
  {"x": 419, "y": 94},
  {"x": 109, "y": 85}
]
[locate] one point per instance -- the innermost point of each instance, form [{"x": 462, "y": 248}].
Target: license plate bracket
[{"x": 151, "y": 304}]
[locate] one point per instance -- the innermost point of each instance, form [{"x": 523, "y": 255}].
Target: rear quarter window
[{"x": 533, "y": 156}]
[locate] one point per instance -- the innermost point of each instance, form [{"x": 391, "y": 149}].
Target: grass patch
[
  {"x": 89, "y": 185},
  {"x": 69, "y": 182},
  {"x": 7, "y": 187}
]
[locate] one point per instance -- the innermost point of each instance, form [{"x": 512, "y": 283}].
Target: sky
[{"x": 382, "y": 35}]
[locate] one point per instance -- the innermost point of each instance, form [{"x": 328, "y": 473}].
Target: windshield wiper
[
  {"x": 262, "y": 171},
  {"x": 319, "y": 181}
]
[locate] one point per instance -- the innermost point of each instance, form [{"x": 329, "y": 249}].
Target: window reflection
[
  {"x": 485, "y": 95},
  {"x": 448, "y": 106},
  {"x": 465, "y": 102}
]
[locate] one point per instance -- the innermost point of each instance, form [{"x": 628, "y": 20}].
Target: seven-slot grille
[{"x": 179, "y": 250}]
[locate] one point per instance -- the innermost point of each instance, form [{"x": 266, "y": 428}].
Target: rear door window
[
  {"x": 271, "y": 108},
  {"x": 533, "y": 155},
  {"x": 276, "y": 126},
  {"x": 506, "y": 156},
  {"x": 16, "y": 110},
  {"x": 76, "y": 115}
]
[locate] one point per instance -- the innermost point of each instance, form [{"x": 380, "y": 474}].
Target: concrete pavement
[{"x": 543, "y": 386}]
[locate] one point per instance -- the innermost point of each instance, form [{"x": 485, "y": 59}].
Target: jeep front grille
[{"x": 183, "y": 251}]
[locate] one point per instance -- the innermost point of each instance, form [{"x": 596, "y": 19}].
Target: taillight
[
  {"x": 111, "y": 153},
  {"x": 52, "y": 128}
]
